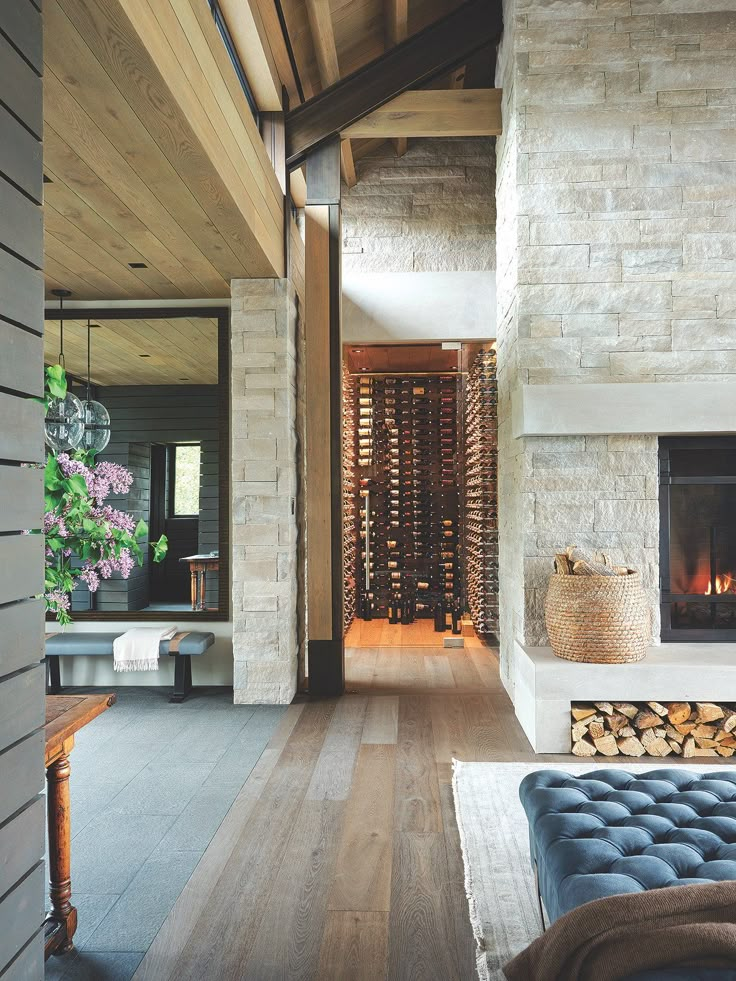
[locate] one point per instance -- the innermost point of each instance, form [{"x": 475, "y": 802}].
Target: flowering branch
[{"x": 86, "y": 539}]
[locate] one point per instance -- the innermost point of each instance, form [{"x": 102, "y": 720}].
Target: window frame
[{"x": 222, "y": 316}]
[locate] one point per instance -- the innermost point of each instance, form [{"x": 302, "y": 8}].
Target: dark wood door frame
[
  {"x": 222, "y": 315},
  {"x": 326, "y": 644}
]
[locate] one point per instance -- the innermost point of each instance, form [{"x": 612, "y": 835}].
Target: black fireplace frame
[{"x": 666, "y": 481}]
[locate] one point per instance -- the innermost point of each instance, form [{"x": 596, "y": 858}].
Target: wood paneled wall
[
  {"x": 21, "y": 494},
  {"x": 139, "y": 416}
]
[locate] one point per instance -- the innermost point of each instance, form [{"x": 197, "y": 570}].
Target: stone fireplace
[
  {"x": 616, "y": 312},
  {"x": 698, "y": 538}
]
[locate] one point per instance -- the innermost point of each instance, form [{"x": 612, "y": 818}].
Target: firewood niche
[{"x": 686, "y": 729}]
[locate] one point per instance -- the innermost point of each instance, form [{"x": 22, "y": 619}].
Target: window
[{"x": 184, "y": 476}]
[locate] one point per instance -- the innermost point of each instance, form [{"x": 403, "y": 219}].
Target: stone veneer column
[
  {"x": 616, "y": 257},
  {"x": 264, "y": 488}
]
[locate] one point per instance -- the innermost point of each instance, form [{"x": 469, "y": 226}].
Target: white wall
[{"x": 382, "y": 307}]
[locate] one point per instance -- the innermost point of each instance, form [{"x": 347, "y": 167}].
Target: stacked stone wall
[
  {"x": 618, "y": 161},
  {"x": 264, "y": 474},
  {"x": 430, "y": 210}
]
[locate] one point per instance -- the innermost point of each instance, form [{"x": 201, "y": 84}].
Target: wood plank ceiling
[
  {"x": 166, "y": 351},
  {"x": 159, "y": 184}
]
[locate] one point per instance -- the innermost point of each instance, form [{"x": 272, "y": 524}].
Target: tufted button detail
[{"x": 609, "y": 831}]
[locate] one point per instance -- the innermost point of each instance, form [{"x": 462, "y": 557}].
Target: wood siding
[
  {"x": 21, "y": 496},
  {"x": 140, "y": 416}
]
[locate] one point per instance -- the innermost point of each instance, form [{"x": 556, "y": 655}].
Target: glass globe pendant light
[
  {"x": 96, "y": 417},
  {"x": 64, "y": 424}
]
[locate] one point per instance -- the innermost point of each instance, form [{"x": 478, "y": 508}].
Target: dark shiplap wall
[
  {"x": 21, "y": 495},
  {"x": 143, "y": 415}
]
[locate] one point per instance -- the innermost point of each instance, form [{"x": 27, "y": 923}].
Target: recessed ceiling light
[
  {"x": 138, "y": 265},
  {"x": 144, "y": 355},
  {"x": 357, "y": 350}
]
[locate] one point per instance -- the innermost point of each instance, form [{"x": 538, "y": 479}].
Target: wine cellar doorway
[{"x": 420, "y": 495}]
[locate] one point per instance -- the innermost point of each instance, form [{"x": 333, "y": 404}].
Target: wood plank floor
[
  {"x": 381, "y": 633},
  {"x": 340, "y": 858}
]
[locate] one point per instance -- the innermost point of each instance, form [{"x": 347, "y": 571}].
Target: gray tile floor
[{"x": 151, "y": 783}]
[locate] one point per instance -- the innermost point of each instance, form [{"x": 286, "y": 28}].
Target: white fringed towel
[{"x": 137, "y": 649}]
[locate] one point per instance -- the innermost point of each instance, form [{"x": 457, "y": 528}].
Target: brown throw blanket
[{"x": 612, "y": 938}]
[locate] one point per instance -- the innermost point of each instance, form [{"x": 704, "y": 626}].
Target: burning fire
[{"x": 724, "y": 584}]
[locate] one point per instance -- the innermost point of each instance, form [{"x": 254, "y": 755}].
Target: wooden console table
[
  {"x": 65, "y": 715},
  {"x": 199, "y": 566}
]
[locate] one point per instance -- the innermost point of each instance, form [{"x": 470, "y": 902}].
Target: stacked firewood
[
  {"x": 575, "y": 562},
  {"x": 653, "y": 729}
]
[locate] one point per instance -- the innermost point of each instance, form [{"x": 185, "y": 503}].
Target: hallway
[{"x": 340, "y": 859}]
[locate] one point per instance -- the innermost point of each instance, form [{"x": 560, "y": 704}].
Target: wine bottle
[{"x": 439, "y": 617}]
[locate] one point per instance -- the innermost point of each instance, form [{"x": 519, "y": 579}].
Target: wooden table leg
[
  {"x": 203, "y": 589},
  {"x": 62, "y": 918},
  {"x": 194, "y": 580}
]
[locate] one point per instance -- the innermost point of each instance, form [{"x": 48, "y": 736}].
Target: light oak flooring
[
  {"x": 381, "y": 633},
  {"x": 340, "y": 858}
]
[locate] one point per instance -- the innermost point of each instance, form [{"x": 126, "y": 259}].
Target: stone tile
[
  {"x": 136, "y": 917},
  {"x": 110, "y": 850},
  {"x": 92, "y": 966},
  {"x": 196, "y": 825},
  {"x": 160, "y": 789},
  {"x": 91, "y": 910}
]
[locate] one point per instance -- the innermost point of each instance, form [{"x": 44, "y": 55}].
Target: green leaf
[
  {"x": 52, "y": 478},
  {"x": 56, "y": 381},
  {"x": 141, "y": 530},
  {"x": 160, "y": 548},
  {"x": 77, "y": 484}
]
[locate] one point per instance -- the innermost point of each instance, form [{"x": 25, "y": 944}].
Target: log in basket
[{"x": 597, "y": 619}]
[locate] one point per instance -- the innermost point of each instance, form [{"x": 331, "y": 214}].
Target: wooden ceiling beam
[
  {"x": 325, "y": 49},
  {"x": 440, "y": 112},
  {"x": 254, "y": 48},
  {"x": 437, "y": 49},
  {"x": 397, "y": 29}
]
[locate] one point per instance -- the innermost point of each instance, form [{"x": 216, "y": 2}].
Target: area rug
[{"x": 499, "y": 881}]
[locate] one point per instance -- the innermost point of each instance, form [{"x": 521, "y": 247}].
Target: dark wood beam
[{"x": 437, "y": 49}]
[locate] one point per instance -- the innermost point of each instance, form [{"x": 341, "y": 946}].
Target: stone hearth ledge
[
  {"x": 545, "y": 685},
  {"x": 624, "y": 409}
]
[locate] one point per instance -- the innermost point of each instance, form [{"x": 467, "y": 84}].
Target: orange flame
[{"x": 724, "y": 584}]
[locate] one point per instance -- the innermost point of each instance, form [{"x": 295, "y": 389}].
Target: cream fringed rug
[{"x": 499, "y": 881}]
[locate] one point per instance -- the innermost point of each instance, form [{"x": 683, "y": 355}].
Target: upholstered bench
[
  {"x": 609, "y": 832},
  {"x": 182, "y": 648}
]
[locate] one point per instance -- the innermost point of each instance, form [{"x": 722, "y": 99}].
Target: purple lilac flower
[
  {"x": 69, "y": 466},
  {"x": 91, "y": 578},
  {"x": 59, "y": 599},
  {"x": 108, "y": 478},
  {"x": 123, "y": 564},
  {"x": 118, "y": 519}
]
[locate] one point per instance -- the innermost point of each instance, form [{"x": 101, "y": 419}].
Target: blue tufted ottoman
[{"x": 609, "y": 832}]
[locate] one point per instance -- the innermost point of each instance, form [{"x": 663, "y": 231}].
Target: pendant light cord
[
  {"x": 89, "y": 345},
  {"x": 61, "y": 332}
]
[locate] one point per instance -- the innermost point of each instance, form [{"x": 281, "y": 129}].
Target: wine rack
[
  {"x": 408, "y": 502},
  {"x": 348, "y": 497},
  {"x": 481, "y": 492}
]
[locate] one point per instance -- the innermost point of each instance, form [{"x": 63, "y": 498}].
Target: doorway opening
[{"x": 420, "y": 498}]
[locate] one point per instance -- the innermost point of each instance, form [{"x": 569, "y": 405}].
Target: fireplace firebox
[{"x": 698, "y": 538}]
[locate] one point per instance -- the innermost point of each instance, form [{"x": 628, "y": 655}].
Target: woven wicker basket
[{"x": 598, "y": 619}]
